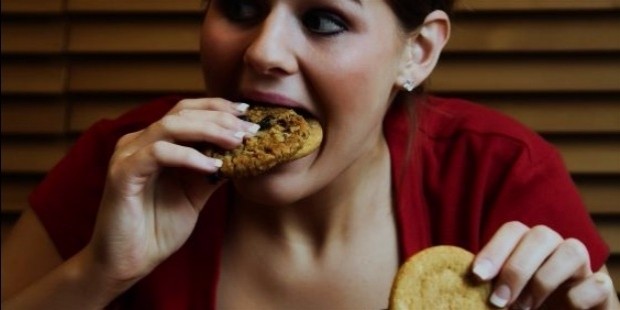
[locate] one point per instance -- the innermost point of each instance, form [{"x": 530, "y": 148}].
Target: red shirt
[{"x": 459, "y": 174}]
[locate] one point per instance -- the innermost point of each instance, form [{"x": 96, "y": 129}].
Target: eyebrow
[{"x": 358, "y": 2}]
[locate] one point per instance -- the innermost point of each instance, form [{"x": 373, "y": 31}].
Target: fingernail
[
  {"x": 242, "y": 107},
  {"x": 254, "y": 128},
  {"x": 483, "y": 269},
  {"x": 239, "y": 134},
  {"x": 500, "y": 296},
  {"x": 218, "y": 163}
]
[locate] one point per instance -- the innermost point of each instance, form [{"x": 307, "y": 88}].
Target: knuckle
[
  {"x": 184, "y": 103},
  {"x": 515, "y": 226},
  {"x": 574, "y": 248},
  {"x": 168, "y": 121},
  {"x": 542, "y": 285},
  {"x": 514, "y": 273},
  {"x": 158, "y": 148},
  {"x": 118, "y": 161},
  {"x": 227, "y": 119},
  {"x": 125, "y": 139},
  {"x": 211, "y": 130},
  {"x": 544, "y": 234},
  {"x": 123, "y": 145}
]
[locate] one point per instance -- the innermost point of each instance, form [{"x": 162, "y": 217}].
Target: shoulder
[
  {"x": 451, "y": 122},
  {"x": 459, "y": 139}
]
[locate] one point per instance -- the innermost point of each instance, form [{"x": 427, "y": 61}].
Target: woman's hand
[
  {"x": 156, "y": 186},
  {"x": 536, "y": 266}
]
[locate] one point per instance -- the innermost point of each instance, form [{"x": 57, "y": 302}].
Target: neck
[{"x": 357, "y": 200}]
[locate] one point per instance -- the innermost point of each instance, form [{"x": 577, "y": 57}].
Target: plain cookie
[{"x": 439, "y": 278}]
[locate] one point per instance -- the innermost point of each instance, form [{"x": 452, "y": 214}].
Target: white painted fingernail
[
  {"x": 254, "y": 128},
  {"x": 242, "y": 107},
  {"x": 483, "y": 269},
  {"x": 500, "y": 296},
  {"x": 218, "y": 163},
  {"x": 239, "y": 134}
]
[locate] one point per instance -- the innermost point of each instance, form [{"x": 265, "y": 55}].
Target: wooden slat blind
[
  {"x": 549, "y": 32},
  {"x": 134, "y": 6},
  {"x": 136, "y": 74},
  {"x": 537, "y": 5},
  {"x": 33, "y": 116},
  {"x": 133, "y": 35},
  {"x": 32, "y": 7},
  {"x": 531, "y": 73},
  {"x": 552, "y": 64},
  {"x": 25, "y": 35},
  {"x": 33, "y": 75}
]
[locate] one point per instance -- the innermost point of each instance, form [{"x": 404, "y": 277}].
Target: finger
[
  {"x": 224, "y": 119},
  {"x": 191, "y": 125},
  {"x": 175, "y": 127},
  {"x": 570, "y": 260},
  {"x": 535, "y": 247},
  {"x": 215, "y": 104},
  {"x": 149, "y": 160},
  {"x": 594, "y": 291},
  {"x": 492, "y": 257}
]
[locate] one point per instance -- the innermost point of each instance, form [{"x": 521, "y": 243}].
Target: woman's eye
[
  {"x": 324, "y": 23},
  {"x": 240, "y": 10}
]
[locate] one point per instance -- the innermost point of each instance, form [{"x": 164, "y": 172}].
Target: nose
[{"x": 271, "y": 50}]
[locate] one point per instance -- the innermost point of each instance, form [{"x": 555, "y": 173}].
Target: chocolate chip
[{"x": 266, "y": 122}]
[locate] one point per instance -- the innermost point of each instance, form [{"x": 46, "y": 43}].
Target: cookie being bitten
[
  {"x": 439, "y": 278},
  {"x": 284, "y": 135}
]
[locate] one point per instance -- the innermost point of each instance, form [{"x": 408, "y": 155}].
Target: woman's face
[{"x": 336, "y": 59}]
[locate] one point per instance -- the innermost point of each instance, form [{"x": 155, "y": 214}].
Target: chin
[{"x": 283, "y": 185}]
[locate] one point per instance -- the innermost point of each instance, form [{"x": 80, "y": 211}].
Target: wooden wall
[{"x": 553, "y": 64}]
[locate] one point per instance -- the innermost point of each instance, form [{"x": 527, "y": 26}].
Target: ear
[{"x": 423, "y": 47}]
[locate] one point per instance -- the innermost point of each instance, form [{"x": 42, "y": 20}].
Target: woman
[{"x": 327, "y": 231}]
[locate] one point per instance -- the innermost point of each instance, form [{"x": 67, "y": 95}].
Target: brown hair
[{"x": 411, "y": 14}]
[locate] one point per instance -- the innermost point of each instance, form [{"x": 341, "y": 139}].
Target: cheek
[
  {"x": 362, "y": 68},
  {"x": 354, "y": 87},
  {"x": 221, "y": 57},
  {"x": 358, "y": 85}
]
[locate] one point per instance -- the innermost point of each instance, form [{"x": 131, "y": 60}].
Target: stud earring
[{"x": 408, "y": 85}]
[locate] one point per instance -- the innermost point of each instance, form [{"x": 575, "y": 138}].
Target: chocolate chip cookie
[{"x": 284, "y": 135}]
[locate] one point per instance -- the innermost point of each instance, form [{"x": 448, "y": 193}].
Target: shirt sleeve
[{"x": 67, "y": 200}]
